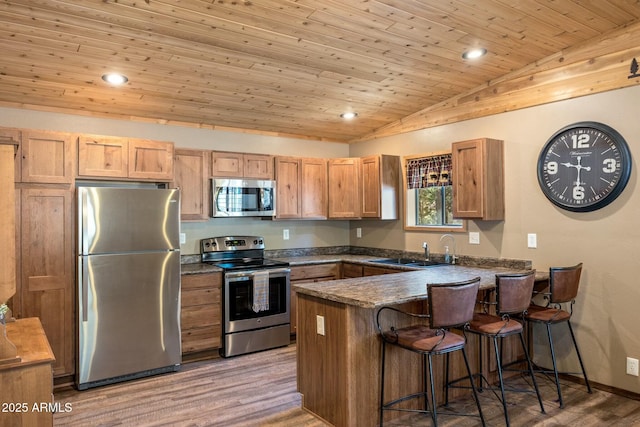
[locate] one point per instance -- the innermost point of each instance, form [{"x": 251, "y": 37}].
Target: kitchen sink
[{"x": 409, "y": 262}]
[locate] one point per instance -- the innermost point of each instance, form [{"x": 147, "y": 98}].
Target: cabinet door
[
  {"x": 478, "y": 180},
  {"x": 371, "y": 187},
  {"x": 314, "y": 188},
  {"x": 225, "y": 164},
  {"x": 200, "y": 315},
  {"x": 344, "y": 188},
  {"x": 47, "y": 157},
  {"x": 258, "y": 166},
  {"x": 192, "y": 178},
  {"x": 150, "y": 160},
  {"x": 103, "y": 156},
  {"x": 288, "y": 192},
  {"x": 47, "y": 268}
]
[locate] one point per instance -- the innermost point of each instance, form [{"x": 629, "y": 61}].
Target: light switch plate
[
  {"x": 285, "y": 234},
  {"x": 183, "y": 238},
  {"x": 358, "y": 232},
  {"x": 474, "y": 238},
  {"x": 532, "y": 240}
]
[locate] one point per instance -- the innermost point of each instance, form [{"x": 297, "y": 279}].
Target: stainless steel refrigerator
[{"x": 128, "y": 283}]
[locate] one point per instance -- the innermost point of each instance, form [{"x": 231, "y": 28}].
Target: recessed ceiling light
[
  {"x": 349, "y": 115},
  {"x": 474, "y": 53},
  {"x": 115, "y": 78}
]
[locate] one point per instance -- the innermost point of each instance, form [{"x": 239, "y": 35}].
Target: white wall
[{"x": 604, "y": 240}]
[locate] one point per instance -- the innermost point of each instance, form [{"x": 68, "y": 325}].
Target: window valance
[{"x": 432, "y": 171}]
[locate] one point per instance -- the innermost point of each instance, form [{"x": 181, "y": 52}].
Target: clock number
[
  {"x": 580, "y": 141},
  {"x": 609, "y": 165},
  {"x": 552, "y": 168},
  {"x": 578, "y": 192}
]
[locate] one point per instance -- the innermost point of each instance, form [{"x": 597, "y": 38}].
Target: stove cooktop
[{"x": 247, "y": 263}]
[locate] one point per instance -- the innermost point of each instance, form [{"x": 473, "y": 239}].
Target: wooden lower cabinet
[
  {"x": 360, "y": 270},
  {"x": 306, "y": 274},
  {"x": 27, "y": 383},
  {"x": 201, "y": 312}
]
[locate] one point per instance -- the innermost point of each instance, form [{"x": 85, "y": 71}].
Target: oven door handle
[{"x": 246, "y": 273}]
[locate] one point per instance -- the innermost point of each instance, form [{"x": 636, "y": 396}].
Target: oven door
[{"x": 240, "y": 311}]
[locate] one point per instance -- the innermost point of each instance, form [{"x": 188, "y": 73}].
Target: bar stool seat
[
  {"x": 450, "y": 305},
  {"x": 563, "y": 290}
]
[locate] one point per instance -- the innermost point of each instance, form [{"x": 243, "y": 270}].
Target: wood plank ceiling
[{"x": 282, "y": 67}]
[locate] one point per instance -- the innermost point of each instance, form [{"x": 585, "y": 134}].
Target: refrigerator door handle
[{"x": 85, "y": 290}]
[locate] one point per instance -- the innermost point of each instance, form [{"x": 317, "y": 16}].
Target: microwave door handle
[{"x": 217, "y": 198}]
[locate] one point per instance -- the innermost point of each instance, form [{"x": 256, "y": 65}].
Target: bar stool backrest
[
  {"x": 452, "y": 304},
  {"x": 514, "y": 292},
  {"x": 564, "y": 282}
]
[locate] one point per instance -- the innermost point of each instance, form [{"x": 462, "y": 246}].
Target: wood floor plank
[{"x": 260, "y": 390}]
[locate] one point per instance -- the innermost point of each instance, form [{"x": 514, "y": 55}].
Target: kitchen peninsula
[{"x": 338, "y": 359}]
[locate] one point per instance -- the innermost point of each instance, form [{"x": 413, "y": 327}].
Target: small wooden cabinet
[
  {"x": 380, "y": 186},
  {"x": 306, "y": 274},
  {"x": 113, "y": 157},
  {"x": 350, "y": 270},
  {"x": 192, "y": 178},
  {"x": 47, "y": 157},
  {"x": 344, "y": 188},
  {"x": 103, "y": 156},
  {"x": 301, "y": 188},
  {"x": 241, "y": 165},
  {"x": 201, "y": 312},
  {"x": 478, "y": 179},
  {"x": 27, "y": 384}
]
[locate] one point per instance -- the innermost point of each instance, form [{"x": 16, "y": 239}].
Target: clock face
[{"x": 584, "y": 166}]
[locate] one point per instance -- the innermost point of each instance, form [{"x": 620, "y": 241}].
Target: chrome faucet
[
  {"x": 426, "y": 251},
  {"x": 452, "y": 259}
]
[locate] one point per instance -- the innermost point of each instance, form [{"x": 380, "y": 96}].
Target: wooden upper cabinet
[
  {"x": 241, "y": 165},
  {"x": 192, "y": 178},
  {"x": 380, "y": 186},
  {"x": 288, "y": 187},
  {"x": 151, "y": 159},
  {"x": 314, "y": 188},
  {"x": 103, "y": 156},
  {"x": 47, "y": 157},
  {"x": 123, "y": 158},
  {"x": 259, "y": 166},
  {"x": 344, "y": 188},
  {"x": 12, "y": 136},
  {"x": 301, "y": 188},
  {"x": 478, "y": 179},
  {"x": 226, "y": 164}
]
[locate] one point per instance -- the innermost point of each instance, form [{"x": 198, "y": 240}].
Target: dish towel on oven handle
[{"x": 260, "y": 291}]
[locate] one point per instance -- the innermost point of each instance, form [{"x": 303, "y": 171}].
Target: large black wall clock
[{"x": 584, "y": 166}]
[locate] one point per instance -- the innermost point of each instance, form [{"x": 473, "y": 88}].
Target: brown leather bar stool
[
  {"x": 450, "y": 305},
  {"x": 563, "y": 289},
  {"x": 513, "y": 296}
]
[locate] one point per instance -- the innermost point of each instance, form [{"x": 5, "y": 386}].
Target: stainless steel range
[{"x": 256, "y": 294}]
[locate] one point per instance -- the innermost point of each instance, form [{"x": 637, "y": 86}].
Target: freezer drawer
[{"x": 128, "y": 314}]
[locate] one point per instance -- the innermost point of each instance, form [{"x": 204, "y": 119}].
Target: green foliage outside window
[{"x": 434, "y": 207}]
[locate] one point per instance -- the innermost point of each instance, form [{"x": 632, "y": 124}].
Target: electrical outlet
[
  {"x": 532, "y": 240},
  {"x": 474, "y": 238},
  {"x": 320, "y": 324},
  {"x": 358, "y": 232},
  {"x": 632, "y": 366},
  {"x": 183, "y": 238},
  {"x": 285, "y": 234}
]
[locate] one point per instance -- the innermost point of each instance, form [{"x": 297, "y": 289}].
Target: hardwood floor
[{"x": 260, "y": 390}]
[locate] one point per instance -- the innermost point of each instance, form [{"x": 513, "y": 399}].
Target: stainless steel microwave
[{"x": 243, "y": 197}]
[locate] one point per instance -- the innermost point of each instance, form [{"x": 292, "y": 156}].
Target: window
[{"x": 429, "y": 193}]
